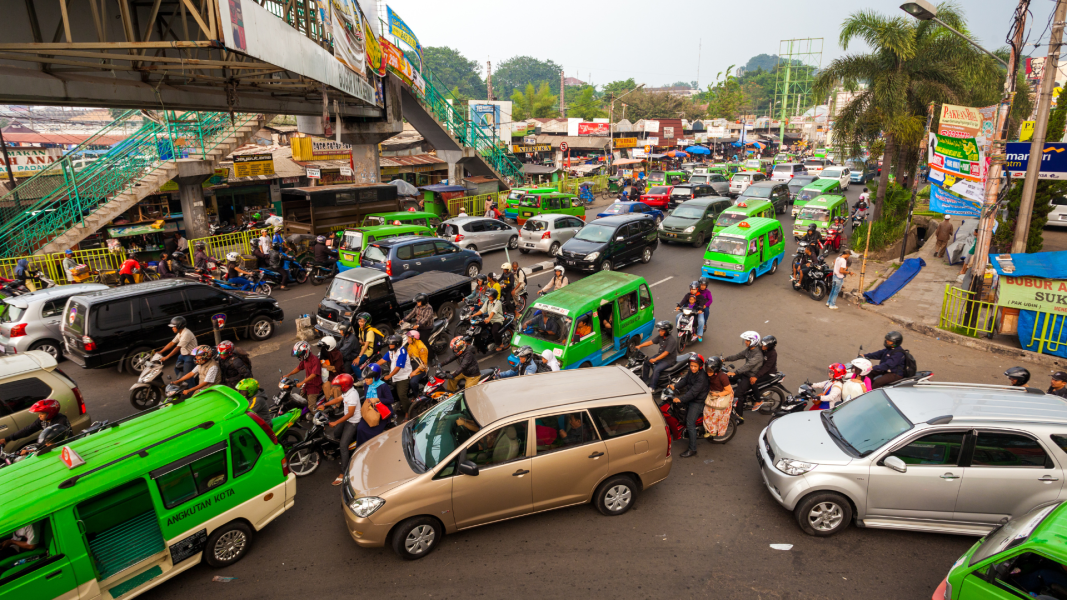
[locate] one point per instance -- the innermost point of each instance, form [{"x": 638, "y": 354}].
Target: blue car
[
  {"x": 408, "y": 255},
  {"x": 626, "y": 208},
  {"x": 861, "y": 171}
]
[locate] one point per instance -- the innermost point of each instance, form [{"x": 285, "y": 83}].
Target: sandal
[{"x": 339, "y": 480}]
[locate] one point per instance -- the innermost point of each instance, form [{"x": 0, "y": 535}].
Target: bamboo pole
[{"x": 863, "y": 267}]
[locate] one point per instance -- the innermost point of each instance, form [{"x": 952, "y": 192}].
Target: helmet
[
  {"x": 694, "y": 285},
  {"x": 225, "y": 349},
  {"x": 178, "y": 322},
  {"x": 394, "y": 340},
  {"x": 199, "y": 245},
  {"x": 248, "y": 387},
  {"x": 372, "y": 372},
  {"x": 493, "y": 294},
  {"x": 837, "y": 371},
  {"x": 328, "y": 342},
  {"x": 343, "y": 381},
  {"x": 703, "y": 281},
  {"x": 363, "y": 316},
  {"x": 513, "y": 361},
  {"x": 301, "y": 350},
  {"x": 52, "y": 433},
  {"x": 203, "y": 353},
  {"x": 482, "y": 279},
  {"x": 256, "y": 216},
  {"x": 696, "y": 358},
  {"x": 457, "y": 345},
  {"x": 505, "y": 267},
  {"x": 665, "y": 326},
  {"x": 713, "y": 364},
  {"x": 421, "y": 298},
  {"x": 524, "y": 352},
  {"x": 48, "y": 407},
  {"x": 863, "y": 365},
  {"x": 894, "y": 338},
  {"x": 769, "y": 342},
  {"x": 321, "y": 239},
  {"x": 559, "y": 269},
  {"x": 812, "y": 227},
  {"x": 232, "y": 256},
  {"x": 492, "y": 276},
  {"x": 751, "y": 337},
  {"x": 414, "y": 334},
  {"x": 1018, "y": 375}
]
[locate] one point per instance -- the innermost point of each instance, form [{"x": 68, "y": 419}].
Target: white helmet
[
  {"x": 751, "y": 337},
  {"x": 559, "y": 269},
  {"x": 232, "y": 256},
  {"x": 329, "y": 342},
  {"x": 862, "y": 364}
]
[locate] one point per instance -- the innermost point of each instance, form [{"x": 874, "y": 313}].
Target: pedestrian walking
[
  {"x": 943, "y": 235},
  {"x": 840, "y": 272}
]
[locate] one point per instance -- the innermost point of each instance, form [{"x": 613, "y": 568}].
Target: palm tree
[{"x": 912, "y": 63}]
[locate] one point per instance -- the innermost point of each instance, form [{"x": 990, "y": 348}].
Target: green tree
[
  {"x": 581, "y": 102},
  {"x": 541, "y": 103},
  {"x": 726, "y": 96},
  {"x": 659, "y": 105},
  {"x": 515, "y": 73},
  {"x": 686, "y": 84},
  {"x": 455, "y": 71},
  {"x": 618, "y": 88}
]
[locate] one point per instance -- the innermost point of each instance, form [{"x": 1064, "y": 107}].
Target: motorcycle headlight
[
  {"x": 793, "y": 467},
  {"x": 592, "y": 256},
  {"x": 689, "y": 229},
  {"x": 365, "y": 507}
]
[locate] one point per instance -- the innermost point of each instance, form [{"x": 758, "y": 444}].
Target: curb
[
  {"x": 962, "y": 340},
  {"x": 541, "y": 266}
]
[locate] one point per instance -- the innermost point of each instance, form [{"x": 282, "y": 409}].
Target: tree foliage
[
  {"x": 515, "y": 73},
  {"x": 618, "y": 88},
  {"x": 660, "y": 105},
  {"x": 726, "y": 96},
  {"x": 455, "y": 71},
  {"x": 540, "y": 103},
  {"x": 582, "y": 102}
]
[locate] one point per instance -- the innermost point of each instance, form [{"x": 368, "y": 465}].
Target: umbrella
[
  {"x": 677, "y": 154},
  {"x": 697, "y": 150}
]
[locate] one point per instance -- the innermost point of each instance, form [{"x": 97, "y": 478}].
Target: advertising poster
[
  {"x": 592, "y": 129},
  {"x": 396, "y": 62},
  {"x": 375, "y": 59},
  {"x": 945, "y": 202},
  {"x": 959, "y": 121},
  {"x": 253, "y": 165},
  {"x": 348, "y": 45},
  {"x": 26, "y": 162},
  {"x": 486, "y": 117},
  {"x": 957, "y": 175},
  {"x": 401, "y": 31},
  {"x": 1033, "y": 293},
  {"x": 1053, "y": 160}
]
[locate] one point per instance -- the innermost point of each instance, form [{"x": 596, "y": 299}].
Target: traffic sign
[
  {"x": 648, "y": 149},
  {"x": 564, "y": 146}
]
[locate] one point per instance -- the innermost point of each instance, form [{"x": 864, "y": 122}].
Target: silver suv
[
  {"x": 939, "y": 457},
  {"x": 33, "y": 320},
  {"x": 479, "y": 233}
]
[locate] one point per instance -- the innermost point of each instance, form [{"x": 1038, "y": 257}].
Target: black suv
[
  {"x": 688, "y": 191},
  {"x": 775, "y": 192},
  {"x": 124, "y": 325},
  {"x": 608, "y": 243}
]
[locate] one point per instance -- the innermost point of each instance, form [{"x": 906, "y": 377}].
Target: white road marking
[
  {"x": 299, "y": 297},
  {"x": 661, "y": 281}
]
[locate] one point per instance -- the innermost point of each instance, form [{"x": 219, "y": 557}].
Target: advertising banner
[
  {"x": 397, "y": 63},
  {"x": 253, "y": 165},
  {"x": 957, "y": 157},
  {"x": 25, "y": 162},
  {"x": 375, "y": 58},
  {"x": 1053, "y": 160},
  {"x": 1033, "y": 293},
  {"x": 945, "y": 202},
  {"x": 348, "y": 44},
  {"x": 593, "y": 129},
  {"x": 486, "y": 118},
  {"x": 1035, "y": 68},
  {"x": 651, "y": 126},
  {"x": 626, "y": 143},
  {"x": 400, "y": 29},
  {"x": 959, "y": 121}
]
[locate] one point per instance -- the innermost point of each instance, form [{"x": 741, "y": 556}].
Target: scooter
[
  {"x": 676, "y": 413},
  {"x": 816, "y": 283},
  {"x": 585, "y": 195},
  {"x": 150, "y": 387},
  {"x": 859, "y": 217},
  {"x": 806, "y": 396},
  {"x": 258, "y": 286},
  {"x": 635, "y": 360},
  {"x": 319, "y": 273},
  {"x": 686, "y": 328},
  {"x": 479, "y": 333},
  {"x": 438, "y": 341},
  {"x": 767, "y": 393},
  {"x": 288, "y": 399},
  {"x": 434, "y": 390}
]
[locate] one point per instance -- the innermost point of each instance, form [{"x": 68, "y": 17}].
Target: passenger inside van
[
  {"x": 583, "y": 328},
  {"x": 24, "y": 540}
]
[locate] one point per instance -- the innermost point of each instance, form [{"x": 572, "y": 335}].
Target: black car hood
[
  {"x": 334, "y": 310},
  {"x": 578, "y": 246}
]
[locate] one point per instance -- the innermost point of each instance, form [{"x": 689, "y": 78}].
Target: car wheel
[
  {"x": 615, "y": 496},
  {"x": 416, "y": 537},
  {"x": 699, "y": 241},
  {"x": 446, "y": 311},
  {"x": 136, "y": 360},
  {"x": 513, "y": 242},
  {"x": 554, "y": 249},
  {"x": 52, "y": 347},
  {"x": 524, "y": 250},
  {"x": 303, "y": 462},
  {"x": 751, "y": 278},
  {"x": 605, "y": 266},
  {"x": 472, "y": 270},
  {"x": 646, "y": 255},
  {"x": 472, "y": 248},
  {"x": 774, "y": 266},
  {"x": 262, "y": 328},
  {"x": 823, "y": 514},
  {"x": 227, "y": 544}
]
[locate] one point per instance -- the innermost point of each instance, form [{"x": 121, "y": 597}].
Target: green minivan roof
[
  {"x": 29, "y": 490},
  {"x": 751, "y": 208},
  {"x": 756, "y": 226},
  {"x": 398, "y": 229},
  {"x": 825, "y": 201},
  {"x": 401, "y": 215},
  {"x": 535, "y": 189},
  {"x": 822, "y": 184},
  {"x": 552, "y": 194},
  {"x": 585, "y": 294}
]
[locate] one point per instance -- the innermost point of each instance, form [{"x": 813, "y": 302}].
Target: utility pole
[
  {"x": 489, "y": 80},
  {"x": 562, "y": 93},
  {"x": 1044, "y": 104},
  {"x": 785, "y": 92},
  {"x": 7, "y": 162},
  {"x": 699, "y": 45}
]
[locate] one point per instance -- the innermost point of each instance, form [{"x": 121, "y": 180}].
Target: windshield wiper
[{"x": 832, "y": 429}]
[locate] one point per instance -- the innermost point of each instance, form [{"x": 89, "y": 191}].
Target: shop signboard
[
  {"x": 593, "y": 129},
  {"x": 651, "y": 126},
  {"x": 1033, "y": 293},
  {"x": 346, "y": 171},
  {"x": 959, "y": 121},
  {"x": 220, "y": 177},
  {"x": 309, "y": 148},
  {"x": 253, "y": 165},
  {"x": 26, "y": 162},
  {"x": 668, "y": 133},
  {"x": 1053, "y": 160},
  {"x": 314, "y": 173},
  {"x": 529, "y": 140},
  {"x": 626, "y": 143},
  {"x": 531, "y": 148},
  {"x": 399, "y": 29}
]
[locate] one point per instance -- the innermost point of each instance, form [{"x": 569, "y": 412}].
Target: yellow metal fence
[
  {"x": 597, "y": 184},
  {"x": 962, "y": 314},
  {"x": 218, "y": 246},
  {"x": 474, "y": 205},
  {"x": 98, "y": 259},
  {"x": 1048, "y": 332}
]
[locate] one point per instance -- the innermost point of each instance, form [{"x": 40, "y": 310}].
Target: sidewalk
[{"x": 918, "y": 305}]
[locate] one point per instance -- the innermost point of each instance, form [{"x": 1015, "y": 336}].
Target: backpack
[
  {"x": 542, "y": 366},
  {"x": 909, "y": 364}
]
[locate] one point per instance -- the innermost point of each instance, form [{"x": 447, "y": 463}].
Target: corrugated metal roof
[{"x": 410, "y": 161}]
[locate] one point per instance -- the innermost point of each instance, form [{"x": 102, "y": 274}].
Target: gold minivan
[{"x": 506, "y": 449}]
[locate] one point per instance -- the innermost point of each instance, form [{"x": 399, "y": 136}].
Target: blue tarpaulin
[
  {"x": 907, "y": 271},
  {"x": 443, "y": 188},
  {"x": 1031, "y": 322},
  {"x": 1047, "y": 265}
]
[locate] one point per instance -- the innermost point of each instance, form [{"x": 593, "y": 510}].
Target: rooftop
[{"x": 976, "y": 403}]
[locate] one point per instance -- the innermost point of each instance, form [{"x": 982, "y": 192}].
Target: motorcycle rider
[
  {"x": 370, "y": 340},
  {"x": 668, "y": 353},
  {"x": 376, "y": 393},
  {"x": 559, "y": 280},
  {"x": 185, "y": 342},
  {"x": 717, "y": 421},
  {"x": 351, "y": 417},
  {"x": 861, "y": 206},
  {"x": 890, "y": 361},
  {"x": 549, "y": 360},
  {"x": 813, "y": 236},
  {"x": 524, "y": 363},
  {"x": 397, "y": 366},
  {"x": 693, "y": 300},
  {"x": 234, "y": 273},
  {"x": 468, "y": 365},
  {"x": 1057, "y": 386},
  {"x": 753, "y": 356},
  {"x": 860, "y": 367},
  {"x": 275, "y": 261},
  {"x": 324, "y": 255},
  {"x": 206, "y": 369},
  {"x": 1018, "y": 376},
  {"x": 200, "y": 258},
  {"x": 333, "y": 364},
  {"x": 706, "y": 294},
  {"x": 234, "y": 368},
  {"x": 768, "y": 346},
  {"x": 420, "y": 361},
  {"x": 806, "y": 262},
  {"x": 312, "y": 366},
  {"x": 832, "y": 387},
  {"x": 507, "y": 288},
  {"x": 480, "y": 289},
  {"x": 48, "y": 414},
  {"x": 694, "y": 389},
  {"x": 493, "y": 312},
  {"x": 421, "y": 317}
]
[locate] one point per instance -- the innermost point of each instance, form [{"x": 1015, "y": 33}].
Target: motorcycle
[
  {"x": 585, "y": 195},
  {"x": 434, "y": 390},
  {"x": 768, "y": 393},
  {"x": 479, "y": 333},
  {"x": 221, "y": 228},
  {"x": 150, "y": 387},
  {"x": 287, "y": 399},
  {"x": 859, "y": 217},
  {"x": 806, "y": 396},
  {"x": 816, "y": 282},
  {"x": 319, "y": 273},
  {"x": 306, "y": 455},
  {"x": 834, "y": 236},
  {"x": 438, "y": 341},
  {"x": 635, "y": 360},
  {"x": 675, "y": 414},
  {"x": 257, "y": 286},
  {"x": 282, "y": 415},
  {"x": 686, "y": 328}
]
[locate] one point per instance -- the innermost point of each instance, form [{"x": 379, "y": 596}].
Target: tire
[
  {"x": 646, "y": 255},
  {"x": 524, "y": 250},
  {"x": 416, "y": 537},
  {"x": 586, "y": 365},
  {"x": 521, "y": 302},
  {"x": 261, "y": 328},
  {"x": 751, "y": 278},
  {"x": 316, "y": 280},
  {"x": 731, "y": 429},
  {"x": 135, "y": 360},
  {"x": 772, "y": 398},
  {"x": 447, "y": 310},
  {"x": 823, "y": 514},
  {"x": 604, "y": 265},
  {"x": 302, "y": 277},
  {"x": 818, "y": 290},
  {"x": 513, "y": 242},
  {"x": 143, "y": 398},
  {"x": 52, "y": 347},
  {"x": 386, "y": 330},
  {"x": 683, "y": 341},
  {"x": 303, "y": 462},
  {"x": 227, "y": 544},
  {"x": 615, "y": 496},
  {"x": 697, "y": 243},
  {"x": 262, "y": 288},
  {"x": 472, "y": 270},
  {"x": 472, "y": 248},
  {"x": 553, "y": 249},
  {"x": 774, "y": 267}
]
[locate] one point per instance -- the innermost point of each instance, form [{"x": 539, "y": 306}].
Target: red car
[{"x": 658, "y": 196}]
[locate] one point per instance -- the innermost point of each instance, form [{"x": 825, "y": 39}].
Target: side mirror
[
  {"x": 895, "y": 463},
  {"x": 619, "y": 239},
  {"x": 467, "y": 467}
]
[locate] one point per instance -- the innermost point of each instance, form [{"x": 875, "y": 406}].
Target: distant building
[
  {"x": 573, "y": 81},
  {"x": 675, "y": 90}
]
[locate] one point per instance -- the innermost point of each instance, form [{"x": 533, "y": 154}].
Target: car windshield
[
  {"x": 345, "y": 291},
  {"x": 698, "y": 179},
  {"x": 755, "y": 191},
  {"x": 1011, "y": 534},
  {"x": 680, "y": 191},
  {"x": 353, "y": 240},
  {"x": 545, "y": 323},
  {"x": 866, "y": 423},
  {"x": 814, "y": 214},
  {"x": 724, "y": 244},
  {"x": 688, "y": 212},
  {"x": 535, "y": 225},
  {"x": 658, "y": 189},
  {"x": 430, "y": 438},
  {"x": 798, "y": 182},
  {"x": 742, "y": 178},
  {"x": 831, "y": 173},
  {"x": 727, "y": 219},
  {"x": 530, "y": 201},
  {"x": 595, "y": 233},
  {"x": 516, "y": 195},
  {"x": 657, "y": 176},
  {"x": 613, "y": 209}
]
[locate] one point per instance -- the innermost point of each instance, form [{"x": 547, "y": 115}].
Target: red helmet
[
  {"x": 343, "y": 381},
  {"x": 48, "y": 407},
  {"x": 225, "y": 349},
  {"x": 837, "y": 371}
]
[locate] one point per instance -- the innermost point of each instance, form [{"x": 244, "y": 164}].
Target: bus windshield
[
  {"x": 727, "y": 219},
  {"x": 727, "y": 245},
  {"x": 543, "y": 323},
  {"x": 353, "y": 240},
  {"x": 814, "y": 214}
]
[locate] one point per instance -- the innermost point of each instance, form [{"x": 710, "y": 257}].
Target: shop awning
[
  {"x": 1046, "y": 265},
  {"x": 441, "y": 187},
  {"x": 539, "y": 169},
  {"x": 627, "y": 161}
]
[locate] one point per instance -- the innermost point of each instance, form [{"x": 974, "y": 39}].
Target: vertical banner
[
  {"x": 375, "y": 59},
  {"x": 348, "y": 35},
  {"x": 400, "y": 29},
  {"x": 957, "y": 175}
]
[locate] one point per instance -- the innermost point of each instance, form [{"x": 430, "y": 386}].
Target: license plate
[
  {"x": 671, "y": 234},
  {"x": 720, "y": 274}
]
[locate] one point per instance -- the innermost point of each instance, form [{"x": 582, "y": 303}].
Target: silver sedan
[{"x": 546, "y": 233}]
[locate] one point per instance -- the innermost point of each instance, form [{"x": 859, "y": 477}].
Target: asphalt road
[{"x": 704, "y": 531}]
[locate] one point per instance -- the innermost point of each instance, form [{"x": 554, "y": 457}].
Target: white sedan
[
  {"x": 841, "y": 174},
  {"x": 1058, "y": 216}
]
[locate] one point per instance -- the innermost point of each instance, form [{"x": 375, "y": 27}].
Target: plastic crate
[
  {"x": 109, "y": 277},
  {"x": 248, "y": 261}
]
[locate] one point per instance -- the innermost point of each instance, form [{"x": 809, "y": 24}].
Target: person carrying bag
[{"x": 720, "y": 400}]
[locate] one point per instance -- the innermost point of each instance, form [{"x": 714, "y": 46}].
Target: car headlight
[
  {"x": 592, "y": 256},
  {"x": 689, "y": 229},
  {"x": 661, "y": 226},
  {"x": 365, "y": 507},
  {"x": 793, "y": 467}
]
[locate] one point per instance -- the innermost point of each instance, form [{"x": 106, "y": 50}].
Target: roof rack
[{"x": 985, "y": 386}]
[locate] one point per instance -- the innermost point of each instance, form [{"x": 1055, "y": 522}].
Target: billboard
[
  {"x": 492, "y": 118},
  {"x": 1053, "y": 160},
  {"x": 957, "y": 175},
  {"x": 348, "y": 35},
  {"x": 26, "y": 162},
  {"x": 593, "y": 129},
  {"x": 400, "y": 29}
]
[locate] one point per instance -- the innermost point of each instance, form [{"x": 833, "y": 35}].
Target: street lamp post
[{"x": 611, "y": 122}]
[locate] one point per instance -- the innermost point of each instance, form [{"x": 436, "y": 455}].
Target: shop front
[{"x": 321, "y": 210}]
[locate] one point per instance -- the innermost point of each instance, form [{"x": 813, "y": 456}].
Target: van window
[
  {"x": 445, "y": 248},
  {"x": 403, "y": 252},
  {"x": 36, "y": 536},
  {"x": 20, "y": 394},
  {"x": 75, "y": 319},
  {"x": 166, "y": 305},
  {"x": 616, "y": 421},
  {"x": 628, "y": 305},
  {"x": 374, "y": 253},
  {"x": 499, "y": 446},
  {"x": 53, "y": 308},
  {"x": 244, "y": 451},
  {"x": 775, "y": 236},
  {"x": 114, "y": 315},
  {"x": 422, "y": 250},
  {"x": 997, "y": 449},
  {"x": 559, "y": 432},
  {"x": 192, "y": 476},
  {"x": 646, "y": 297}
]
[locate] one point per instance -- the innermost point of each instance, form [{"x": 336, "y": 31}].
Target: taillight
[
  {"x": 263, "y": 425},
  {"x": 88, "y": 343},
  {"x": 389, "y": 268},
  {"x": 285, "y": 467},
  {"x": 17, "y": 330},
  {"x": 546, "y": 235},
  {"x": 458, "y": 238},
  {"x": 81, "y": 401},
  {"x": 667, "y": 430}
]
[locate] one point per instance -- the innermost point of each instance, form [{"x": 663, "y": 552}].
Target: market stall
[{"x": 1033, "y": 290}]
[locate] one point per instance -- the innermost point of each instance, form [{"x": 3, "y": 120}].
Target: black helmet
[
  {"x": 696, "y": 358},
  {"x": 524, "y": 352},
  {"x": 894, "y": 338},
  {"x": 493, "y": 294},
  {"x": 1018, "y": 376},
  {"x": 812, "y": 227},
  {"x": 200, "y": 245},
  {"x": 277, "y": 247},
  {"x": 178, "y": 322},
  {"x": 482, "y": 278},
  {"x": 372, "y": 372},
  {"x": 665, "y": 326},
  {"x": 694, "y": 285},
  {"x": 422, "y": 298},
  {"x": 703, "y": 281},
  {"x": 393, "y": 340},
  {"x": 713, "y": 364},
  {"x": 769, "y": 342}
]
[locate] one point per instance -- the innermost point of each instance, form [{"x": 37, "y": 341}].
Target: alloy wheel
[
  {"x": 618, "y": 498},
  {"x": 230, "y": 545},
  {"x": 263, "y": 329},
  {"x": 825, "y": 516}
]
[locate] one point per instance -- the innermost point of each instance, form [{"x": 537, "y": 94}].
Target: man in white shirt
[
  {"x": 185, "y": 342},
  {"x": 23, "y": 540},
  {"x": 399, "y": 367},
  {"x": 350, "y": 419},
  {"x": 840, "y": 271}
]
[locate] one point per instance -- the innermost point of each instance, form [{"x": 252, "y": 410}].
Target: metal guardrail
[
  {"x": 597, "y": 184},
  {"x": 97, "y": 259},
  {"x": 962, "y": 314},
  {"x": 474, "y": 206},
  {"x": 1051, "y": 332},
  {"x": 218, "y": 246}
]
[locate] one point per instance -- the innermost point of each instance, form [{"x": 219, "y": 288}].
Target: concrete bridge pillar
[
  {"x": 191, "y": 173},
  {"x": 455, "y": 168}
]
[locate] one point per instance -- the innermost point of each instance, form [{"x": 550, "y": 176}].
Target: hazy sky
[{"x": 656, "y": 42}]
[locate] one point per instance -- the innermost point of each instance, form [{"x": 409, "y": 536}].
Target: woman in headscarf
[
  {"x": 550, "y": 359},
  {"x": 22, "y": 270}
]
